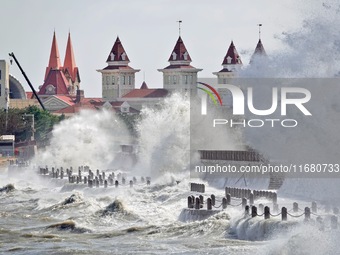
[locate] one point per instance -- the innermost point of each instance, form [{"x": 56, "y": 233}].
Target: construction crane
[{"x": 28, "y": 81}]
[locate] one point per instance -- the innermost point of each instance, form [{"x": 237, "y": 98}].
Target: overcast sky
[{"x": 147, "y": 29}]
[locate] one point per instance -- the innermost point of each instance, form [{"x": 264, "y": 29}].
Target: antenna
[
  {"x": 144, "y": 76},
  {"x": 179, "y": 27},
  {"x": 259, "y": 25}
]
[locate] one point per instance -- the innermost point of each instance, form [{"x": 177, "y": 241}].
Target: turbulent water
[{"x": 40, "y": 215}]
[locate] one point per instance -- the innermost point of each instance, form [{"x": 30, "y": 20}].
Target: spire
[
  {"x": 179, "y": 53},
  {"x": 259, "y": 50},
  {"x": 232, "y": 57},
  {"x": 144, "y": 85},
  {"x": 118, "y": 54},
  {"x": 54, "y": 61},
  {"x": 69, "y": 62}
]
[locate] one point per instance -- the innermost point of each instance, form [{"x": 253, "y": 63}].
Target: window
[
  {"x": 185, "y": 55},
  {"x": 185, "y": 79},
  {"x": 123, "y": 80},
  {"x": 130, "y": 80},
  {"x": 107, "y": 80},
  {"x": 123, "y": 56},
  {"x": 113, "y": 80},
  {"x": 174, "y": 78},
  {"x": 191, "y": 79}
]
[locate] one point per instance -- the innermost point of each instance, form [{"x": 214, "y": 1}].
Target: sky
[{"x": 147, "y": 29}]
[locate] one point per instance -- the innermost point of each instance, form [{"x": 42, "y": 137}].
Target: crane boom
[{"x": 28, "y": 81}]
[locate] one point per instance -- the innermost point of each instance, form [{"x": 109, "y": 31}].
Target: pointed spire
[
  {"x": 144, "y": 85},
  {"x": 118, "y": 53},
  {"x": 179, "y": 52},
  {"x": 69, "y": 61},
  {"x": 232, "y": 57},
  {"x": 54, "y": 61},
  {"x": 259, "y": 51}
]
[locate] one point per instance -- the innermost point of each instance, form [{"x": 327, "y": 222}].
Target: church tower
[
  {"x": 55, "y": 82},
  {"x": 259, "y": 53},
  {"x": 118, "y": 78},
  {"x": 179, "y": 75},
  {"x": 70, "y": 68},
  {"x": 231, "y": 64}
]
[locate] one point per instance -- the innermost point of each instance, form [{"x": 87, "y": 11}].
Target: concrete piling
[
  {"x": 228, "y": 199},
  {"x": 246, "y": 210},
  {"x": 295, "y": 207},
  {"x": 90, "y": 183},
  {"x": 307, "y": 213},
  {"x": 116, "y": 183},
  {"x": 253, "y": 211},
  {"x": 224, "y": 203},
  {"x": 190, "y": 203},
  {"x": 85, "y": 180},
  {"x": 148, "y": 182},
  {"x": 105, "y": 184},
  {"x": 244, "y": 202},
  {"x": 266, "y": 212},
  {"x": 213, "y": 199},
  {"x": 209, "y": 204},
  {"x": 131, "y": 183},
  {"x": 201, "y": 199},
  {"x": 284, "y": 214},
  {"x": 197, "y": 203}
]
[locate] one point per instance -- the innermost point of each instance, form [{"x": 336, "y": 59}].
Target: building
[{"x": 4, "y": 85}]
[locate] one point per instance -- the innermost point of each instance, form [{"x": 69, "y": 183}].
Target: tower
[
  {"x": 118, "y": 78},
  {"x": 70, "y": 68},
  {"x": 259, "y": 53},
  {"x": 179, "y": 75},
  {"x": 231, "y": 64},
  {"x": 4, "y": 85},
  {"x": 55, "y": 82}
]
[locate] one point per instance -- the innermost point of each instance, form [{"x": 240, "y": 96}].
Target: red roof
[
  {"x": 29, "y": 95},
  {"x": 54, "y": 61},
  {"x": 178, "y": 66},
  {"x": 259, "y": 51},
  {"x": 144, "y": 85},
  {"x": 86, "y": 103},
  {"x": 70, "y": 66},
  {"x": 117, "y": 67},
  {"x": 57, "y": 79},
  {"x": 232, "y": 57},
  {"x": 116, "y": 52},
  {"x": 179, "y": 52},
  {"x": 146, "y": 93}
]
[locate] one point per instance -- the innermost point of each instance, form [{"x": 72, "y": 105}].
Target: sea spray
[{"x": 88, "y": 138}]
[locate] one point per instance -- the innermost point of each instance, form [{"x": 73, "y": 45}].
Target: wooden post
[
  {"x": 105, "y": 184},
  {"x": 334, "y": 222},
  {"x": 253, "y": 211},
  {"x": 62, "y": 174},
  {"x": 209, "y": 205},
  {"x": 85, "y": 180},
  {"x": 97, "y": 183},
  {"x": 90, "y": 183},
  {"x": 103, "y": 174},
  {"x": 197, "y": 203},
  {"x": 148, "y": 182},
  {"x": 116, "y": 183},
  {"x": 266, "y": 212},
  {"x": 307, "y": 213},
  {"x": 213, "y": 199},
  {"x": 314, "y": 207},
  {"x": 244, "y": 202},
  {"x": 251, "y": 198},
  {"x": 284, "y": 214},
  {"x": 295, "y": 207},
  {"x": 228, "y": 199},
  {"x": 224, "y": 203},
  {"x": 201, "y": 199},
  {"x": 190, "y": 203},
  {"x": 246, "y": 210},
  {"x": 226, "y": 191}
]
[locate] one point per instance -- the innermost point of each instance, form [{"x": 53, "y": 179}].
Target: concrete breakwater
[
  {"x": 202, "y": 207},
  {"x": 84, "y": 175}
]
